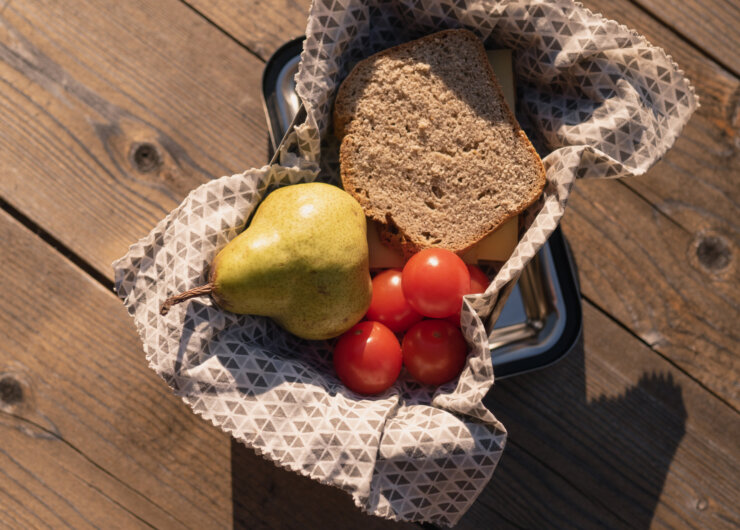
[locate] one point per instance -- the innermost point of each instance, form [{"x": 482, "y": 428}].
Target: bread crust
[{"x": 391, "y": 233}]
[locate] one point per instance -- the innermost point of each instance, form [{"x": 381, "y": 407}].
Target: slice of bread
[{"x": 429, "y": 147}]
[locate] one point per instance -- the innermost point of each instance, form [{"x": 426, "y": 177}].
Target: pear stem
[{"x": 190, "y": 293}]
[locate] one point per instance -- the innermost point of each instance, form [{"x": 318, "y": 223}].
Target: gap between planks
[
  {"x": 57, "y": 436},
  {"x": 221, "y": 30},
  {"x": 655, "y": 208},
  {"x": 717, "y": 59},
  {"x": 121, "y": 506},
  {"x": 665, "y": 358},
  {"x": 60, "y": 247},
  {"x": 693, "y": 43}
]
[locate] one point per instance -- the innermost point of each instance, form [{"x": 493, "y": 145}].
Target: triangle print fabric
[{"x": 595, "y": 96}]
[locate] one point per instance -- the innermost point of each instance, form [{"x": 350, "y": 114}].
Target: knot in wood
[
  {"x": 145, "y": 157},
  {"x": 713, "y": 252},
  {"x": 11, "y": 391}
]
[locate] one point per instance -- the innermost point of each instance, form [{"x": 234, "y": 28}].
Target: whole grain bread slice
[{"x": 429, "y": 147}]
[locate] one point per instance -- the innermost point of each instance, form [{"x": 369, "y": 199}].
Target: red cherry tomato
[
  {"x": 367, "y": 358},
  {"x": 434, "y": 282},
  {"x": 434, "y": 351},
  {"x": 478, "y": 284},
  {"x": 388, "y": 305},
  {"x": 478, "y": 280}
]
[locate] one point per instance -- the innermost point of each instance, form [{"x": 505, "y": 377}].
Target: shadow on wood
[
  {"x": 600, "y": 462},
  {"x": 266, "y": 497}
]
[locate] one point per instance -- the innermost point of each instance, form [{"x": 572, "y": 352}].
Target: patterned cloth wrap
[{"x": 594, "y": 95}]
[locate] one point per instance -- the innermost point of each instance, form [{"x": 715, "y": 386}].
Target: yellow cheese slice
[
  {"x": 496, "y": 246},
  {"x": 500, "y": 61}
]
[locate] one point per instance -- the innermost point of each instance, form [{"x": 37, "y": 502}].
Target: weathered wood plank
[
  {"x": 114, "y": 111},
  {"x": 36, "y": 473},
  {"x": 99, "y": 440},
  {"x": 633, "y": 263},
  {"x": 525, "y": 493},
  {"x": 640, "y": 441},
  {"x": 710, "y": 26},
  {"x": 43, "y": 105},
  {"x": 262, "y": 26},
  {"x": 116, "y": 440},
  {"x": 696, "y": 184},
  {"x": 696, "y": 162},
  {"x": 520, "y": 485}
]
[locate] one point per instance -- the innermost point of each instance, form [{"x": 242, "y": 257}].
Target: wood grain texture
[
  {"x": 664, "y": 259},
  {"x": 91, "y": 437},
  {"x": 633, "y": 262},
  {"x": 624, "y": 440},
  {"x": 113, "y": 111},
  {"x": 93, "y": 433},
  {"x": 36, "y": 473},
  {"x": 692, "y": 180},
  {"x": 710, "y": 26},
  {"x": 261, "y": 25},
  {"x": 697, "y": 183}
]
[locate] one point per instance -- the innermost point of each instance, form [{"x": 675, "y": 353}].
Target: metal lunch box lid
[{"x": 541, "y": 320}]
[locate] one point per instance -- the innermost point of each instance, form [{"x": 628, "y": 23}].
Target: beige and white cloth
[{"x": 593, "y": 95}]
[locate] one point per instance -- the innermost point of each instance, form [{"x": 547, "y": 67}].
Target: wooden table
[{"x": 110, "y": 112}]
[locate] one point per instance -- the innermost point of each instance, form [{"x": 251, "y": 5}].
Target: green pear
[{"x": 303, "y": 261}]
